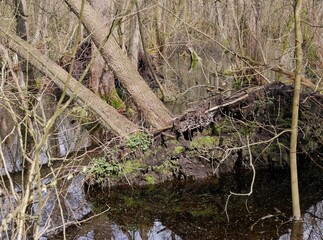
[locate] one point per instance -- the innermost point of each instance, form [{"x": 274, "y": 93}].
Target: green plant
[
  {"x": 115, "y": 101},
  {"x": 133, "y": 167},
  {"x": 80, "y": 113},
  {"x": 150, "y": 179},
  {"x": 140, "y": 141},
  {"x": 178, "y": 150},
  {"x": 101, "y": 170},
  {"x": 167, "y": 168},
  {"x": 204, "y": 142}
]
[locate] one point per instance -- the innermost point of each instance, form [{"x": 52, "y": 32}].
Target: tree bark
[
  {"x": 102, "y": 77},
  {"x": 26, "y": 72},
  {"x": 154, "y": 111},
  {"x": 21, "y": 18},
  {"x": 297, "y": 87},
  {"x": 134, "y": 46},
  {"x": 109, "y": 117}
]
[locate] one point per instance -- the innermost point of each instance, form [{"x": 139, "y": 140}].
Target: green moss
[
  {"x": 204, "y": 142},
  {"x": 195, "y": 59},
  {"x": 177, "y": 209},
  {"x": 133, "y": 167},
  {"x": 129, "y": 201},
  {"x": 178, "y": 150},
  {"x": 130, "y": 112},
  {"x": 228, "y": 72},
  {"x": 245, "y": 130},
  {"x": 116, "y": 101},
  {"x": 311, "y": 146},
  {"x": 38, "y": 82},
  {"x": 80, "y": 114},
  {"x": 203, "y": 212},
  {"x": 150, "y": 179},
  {"x": 219, "y": 127},
  {"x": 173, "y": 142},
  {"x": 167, "y": 168}
]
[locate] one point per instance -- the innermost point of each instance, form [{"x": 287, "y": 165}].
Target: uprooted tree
[{"x": 212, "y": 137}]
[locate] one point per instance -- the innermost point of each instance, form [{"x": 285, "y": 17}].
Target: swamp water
[{"x": 196, "y": 210}]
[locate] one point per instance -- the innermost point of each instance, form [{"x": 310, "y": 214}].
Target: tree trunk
[
  {"x": 297, "y": 87},
  {"x": 109, "y": 117},
  {"x": 26, "y": 76},
  {"x": 102, "y": 77},
  {"x": 21, "y": 18},
  {"x": 135, "y": 45},
  {"x": 154, "y": 111}
]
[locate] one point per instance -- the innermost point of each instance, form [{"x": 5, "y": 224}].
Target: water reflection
[
  {"x": 157, "y": 232},
  {"x": 195, "y": 210},
  {"x": 313, "y": 222},
  {"x": 310, "y": 229},
  {"x": 312, "y": 226}
]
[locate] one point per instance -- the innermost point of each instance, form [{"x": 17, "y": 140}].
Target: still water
[{"x": 197, "y": 210}]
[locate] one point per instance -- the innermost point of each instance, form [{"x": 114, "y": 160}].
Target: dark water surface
[{"x": 196, "y": 210}]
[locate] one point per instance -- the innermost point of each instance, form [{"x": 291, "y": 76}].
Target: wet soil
[{"x": 222, "y": 135}]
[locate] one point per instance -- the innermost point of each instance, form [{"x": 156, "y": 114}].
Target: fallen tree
[
  {"x": 216, "y": 136},
  {"x": 108, "y": 116},
  {"x": 246, "y": 100},
  {"x": 153, "y": 110}
]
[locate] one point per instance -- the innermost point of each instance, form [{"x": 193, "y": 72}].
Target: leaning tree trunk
[
  {"x": 109, "y": 117},
  {"x": 154, "y": 111}
]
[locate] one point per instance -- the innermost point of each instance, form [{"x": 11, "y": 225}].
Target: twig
[{"x": 251, "y": 185}]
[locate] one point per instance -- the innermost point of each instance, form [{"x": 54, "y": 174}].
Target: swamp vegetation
[{"x": 160, "y": 119}]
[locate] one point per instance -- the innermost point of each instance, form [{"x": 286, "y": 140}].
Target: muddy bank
[{"x": 218, "y": 136}]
